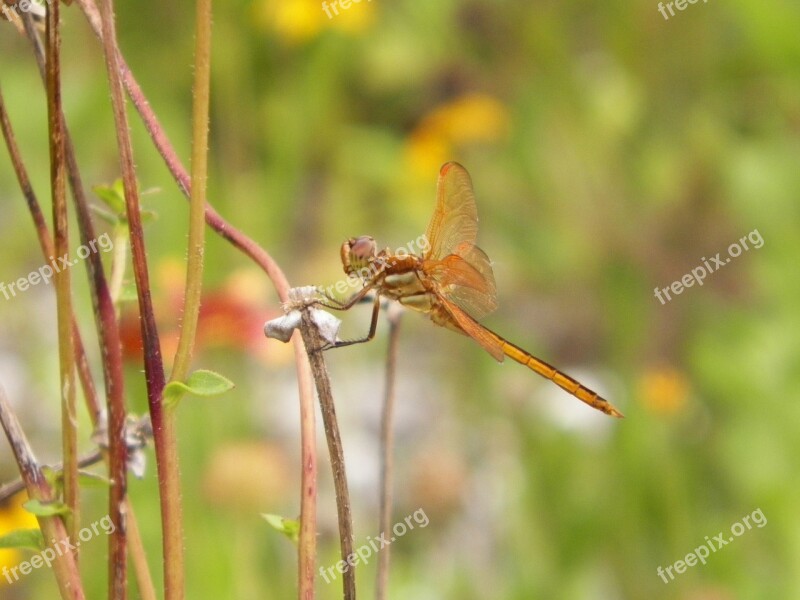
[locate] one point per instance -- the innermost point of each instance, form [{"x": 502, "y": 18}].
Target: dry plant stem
[
  {"x": 141, "y": 568},
  {"x": 10, "y": 489},
  {"x": 46, "y": 243},
  {"x": 179, "y": 173},
  {"x": 109, "y": 349},
  {"x": 147, "y": 591},
  {"x": 387, "y": 450},
  {"x": 307, "y": 546},
  {"x": 314, "y": 343},
  {"x": 69, "y": 420},
  {"x": 111, "y": 352},
  {"x": 164, "y": 435},
  {"x": 53, "y": 529}
]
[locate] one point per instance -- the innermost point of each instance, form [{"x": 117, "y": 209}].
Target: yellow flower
[
  {"x": 13, "y": 517},
  {"x": 470, "y": 118},
  {"x": 297, "y": 21}
]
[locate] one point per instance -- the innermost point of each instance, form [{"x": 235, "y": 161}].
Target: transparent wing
[
  {"x": 455, "y": 220},
  {"x": 489, "y": 340},
  {"x": 466, "y": 280}
]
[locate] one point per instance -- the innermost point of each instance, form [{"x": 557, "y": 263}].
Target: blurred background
[{"x": 612, "y": 151}]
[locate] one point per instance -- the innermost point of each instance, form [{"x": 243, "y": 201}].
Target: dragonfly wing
[
  {"x": 466, "y": 280},
  {"x": 490, "y": 342},
  {"x": 455, "y": 220}
]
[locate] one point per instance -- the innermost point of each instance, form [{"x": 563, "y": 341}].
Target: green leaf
[
  {"x": 148, "y": 216},
  {"x": 288, "y": 527},
  {"x": 104, "y": 214},
  {"x": 128, "y": 293},
  {"x": 113, "y": 195},
  {"x": 30, "y": 539},
  {"x": 52, "y": 477},
  {"x": 49, "y": 509},
  {"x": 200, "y": 383},
  {"x": 87, "y": 479}
]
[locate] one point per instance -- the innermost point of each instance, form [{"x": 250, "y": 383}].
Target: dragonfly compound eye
[{"x": 362, "y": 249}]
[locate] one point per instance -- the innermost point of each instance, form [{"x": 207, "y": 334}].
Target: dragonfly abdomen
[{"x": 561, "y": 379}]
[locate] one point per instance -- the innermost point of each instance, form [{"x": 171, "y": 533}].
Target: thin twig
[
  {"x": 14, "y": 487},
  {"x": 164, "y": 434},
  {"x": 111, "y": 353},
  {"x": 53, "y": 529},
  {"x": 314, "y": 343},
  {"x": 194, "y": 267},
  {"x": 307, "y": 546},
  {"x": 394, "y": 315},
  {"x": 46, "y": 244},
  {"x": 69, "y": 420}
]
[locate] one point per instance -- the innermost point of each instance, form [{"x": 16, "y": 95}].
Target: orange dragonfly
[{"x": 452, "y": 282}]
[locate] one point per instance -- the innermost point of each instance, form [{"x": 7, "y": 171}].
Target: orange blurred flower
[
  {"x": 470, "y": 118},
  {"x": 664, "y": 390}
]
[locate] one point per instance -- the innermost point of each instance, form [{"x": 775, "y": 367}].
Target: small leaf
[
  {"x": 113, "y": 195},
  {"x": 52, "y": 477},
  {"x": 49, "y": 509},
  {"x": 104, "y": 214},
  {"x": 87, "y": 479},
  {"x": 288, "y": 527},
  {"x": 148, "y": 216},
  {"x": 200, "y": 383},
  {"x": 128, "y": 293},
  {"x": 30, "y": 539}
]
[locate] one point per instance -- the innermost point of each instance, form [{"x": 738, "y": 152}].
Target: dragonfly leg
[
  {"x": 335, "y": 304},
  {"x": 376, "y": 309}
]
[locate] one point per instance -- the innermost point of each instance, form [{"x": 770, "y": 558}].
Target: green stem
[{"x": 199, "y": 176}]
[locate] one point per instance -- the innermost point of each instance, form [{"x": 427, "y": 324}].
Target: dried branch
[
  {"x": 53, "y": 528},
  {"x": 314, "y": 343},
  {"x": 69, "y": 420},
  {"x": 394, "y": 314}
]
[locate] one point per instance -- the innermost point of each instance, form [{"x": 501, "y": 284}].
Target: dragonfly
[{"x": 452, "y": 282}]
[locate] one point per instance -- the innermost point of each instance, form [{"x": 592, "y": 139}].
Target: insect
[{"x": 452, "y": 282}]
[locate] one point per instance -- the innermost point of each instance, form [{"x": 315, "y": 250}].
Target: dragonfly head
[{"x": 358, "y": 254}]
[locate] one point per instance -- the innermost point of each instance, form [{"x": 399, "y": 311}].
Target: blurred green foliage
[{"x": 612, "y": 151}]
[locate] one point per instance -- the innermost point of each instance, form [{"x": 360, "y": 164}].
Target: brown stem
[
  {"x": 314, "y": 342},
  {"x": 53, "y": 529},
  {"x": 164, "y": 434},
  {"x": 111, "y": 353},
  {"x": 387, "y": 449},
  {"x": 307, "y": 547},
  {"x": 46, "y": 244},
  {"x": 69, "y": 420}
]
